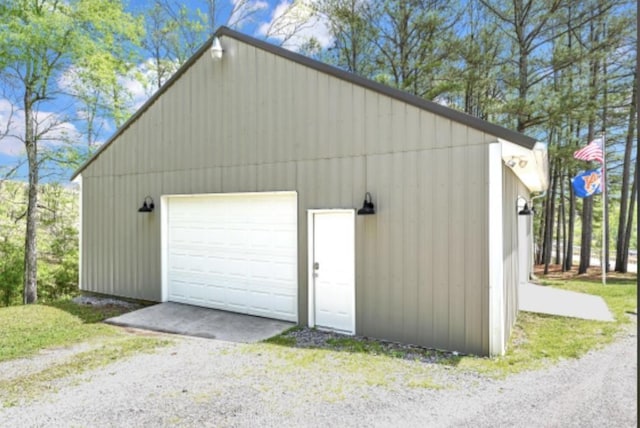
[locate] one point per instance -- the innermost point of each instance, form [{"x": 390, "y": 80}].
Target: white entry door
[{"x": 332, "y": 270}]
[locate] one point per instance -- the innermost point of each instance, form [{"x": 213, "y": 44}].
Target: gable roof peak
[{"x": 430, "y": 106}]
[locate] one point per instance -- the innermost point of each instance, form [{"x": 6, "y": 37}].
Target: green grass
[
  {"x": 282, "y": 339},
  {"x": 27, "y": 330},
  {"x": 538, "y": 340},
  {"x": 351, "y": 345},
  {"x": 30, "y": 328},
  {"x": 337, "y": 374}
]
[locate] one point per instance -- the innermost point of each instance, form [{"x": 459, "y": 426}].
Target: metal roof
[{"x": 457, "y": 116}]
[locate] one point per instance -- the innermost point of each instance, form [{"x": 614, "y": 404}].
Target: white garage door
[{"x": 236, "y": 252}]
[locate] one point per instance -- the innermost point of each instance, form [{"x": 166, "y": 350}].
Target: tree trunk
[
  {"x": 625, "y": 250},
  {"x": 568, "y": 258},
  {"x": 548, "y": 220},
  {"x": 30, "y": 247},
  {"x": 561, "y": 240},
  {"x": 625, "y": 212}
]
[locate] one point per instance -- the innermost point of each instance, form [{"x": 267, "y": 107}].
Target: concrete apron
[
  {"x": 202, "y": 322},
  {"x": 553, "y": 301}
]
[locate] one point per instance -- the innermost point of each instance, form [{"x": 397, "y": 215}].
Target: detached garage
[{"x": 262, "y": 182}]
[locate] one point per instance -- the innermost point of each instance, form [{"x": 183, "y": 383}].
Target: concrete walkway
[
  {"x": 202, "y": 322},
  {"x": 553, "y": 301}
]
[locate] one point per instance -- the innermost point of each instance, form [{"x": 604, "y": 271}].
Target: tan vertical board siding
[
  {"x": 459, "y": 237},
  {"x": 419, "y": 287},
  {"x": 199, "y": 110},
  {"x": 410, "y": 263},
  {"x": 442, "y": 194},
  {"x": 426, "y": 249},
  {"x": 476, "y": 292},
  {"x": 258, "y": 122}
]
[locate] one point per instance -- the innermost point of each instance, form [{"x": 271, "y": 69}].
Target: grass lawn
[
  {"x": 537, "y": 340},
  {"x": 27, "y": 330}
]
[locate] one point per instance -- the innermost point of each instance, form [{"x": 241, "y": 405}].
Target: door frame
[{"x": 310, "y": 257}]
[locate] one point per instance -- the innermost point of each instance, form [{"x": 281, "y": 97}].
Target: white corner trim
[
  {"x": 496, "y": 283},
  {"x": 78, "y": 181},
  {"x": 164, "y": 239},
  {"x": 311, "y": 310}
]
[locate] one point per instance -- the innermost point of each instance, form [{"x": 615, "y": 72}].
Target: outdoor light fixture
[
  {"x": 521, "y": 161},
  {"x": 216, "y": 49},
  {"x": 147, "y": 205},
  {"x": 367, "y": 206},
  {"x": 525, "y": 210}
]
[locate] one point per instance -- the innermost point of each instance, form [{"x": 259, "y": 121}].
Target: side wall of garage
[
  {"x": 256, "y": 122},
  {"x": 512, "y": 189}
]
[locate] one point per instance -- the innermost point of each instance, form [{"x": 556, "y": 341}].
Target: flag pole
[{"x": 604, "y": 211}]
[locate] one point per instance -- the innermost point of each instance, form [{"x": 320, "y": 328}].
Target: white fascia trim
[
  {"x": 495, "y": 238},
  {"x": 78, "y": 181}
]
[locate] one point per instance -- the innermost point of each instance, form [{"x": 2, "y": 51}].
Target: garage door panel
[
  {"x": 234, "y": 252},
  {"x": 271, "y": 305}
]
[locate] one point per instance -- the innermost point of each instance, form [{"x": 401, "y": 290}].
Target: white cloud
[
  {"x": 9, "y": 145},
  {"x": 294, "y": 24},
  {"x": 137, "y": 92},
  {"x": 54, "y": 128},
  {"x": 243, "y": 10}
]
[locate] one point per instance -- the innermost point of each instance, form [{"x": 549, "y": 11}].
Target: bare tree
[{"x": 38, "y": 41}]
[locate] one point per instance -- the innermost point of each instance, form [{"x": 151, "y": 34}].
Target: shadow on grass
[
  {"x": 90, "y": 314},
  {"x": 309, "y": 338}
]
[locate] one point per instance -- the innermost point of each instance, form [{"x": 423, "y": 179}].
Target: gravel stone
[
  {"x": 203, "y": 382},
  {"x": 104, "y": 301},
  {"x": 312, "y": 338}
]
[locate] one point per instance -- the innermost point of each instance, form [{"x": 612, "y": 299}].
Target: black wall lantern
[
  {"x": 367, "y": 206},
  {"x": 147, "y": 205},
  {"x": 525, "y": 210}
]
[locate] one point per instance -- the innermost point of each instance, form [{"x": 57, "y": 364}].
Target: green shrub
[{"x": 11, "y": 272}]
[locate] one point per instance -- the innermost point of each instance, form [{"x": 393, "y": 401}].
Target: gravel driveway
[{"x": 201, "y": 382}]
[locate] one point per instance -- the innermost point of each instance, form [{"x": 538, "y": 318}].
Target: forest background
[{"x": 563, "y": 72}]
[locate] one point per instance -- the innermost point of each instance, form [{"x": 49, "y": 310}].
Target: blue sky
[{"x": 267, "y": 19}]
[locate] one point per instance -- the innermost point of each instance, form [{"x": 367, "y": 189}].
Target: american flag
[{"x": 591, "y": 152}]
